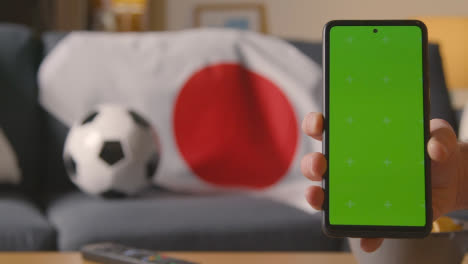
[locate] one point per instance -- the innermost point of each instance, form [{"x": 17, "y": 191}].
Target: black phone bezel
[{"x": 366, "y": 230}]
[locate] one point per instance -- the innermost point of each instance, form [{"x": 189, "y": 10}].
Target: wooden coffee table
[{"x": 199, "y": 257}]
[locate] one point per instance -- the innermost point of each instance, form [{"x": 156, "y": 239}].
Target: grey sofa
[{"x": 46, "y": 212}]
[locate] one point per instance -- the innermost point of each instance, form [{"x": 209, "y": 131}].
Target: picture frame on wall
[{"x": 238, "y": 16}]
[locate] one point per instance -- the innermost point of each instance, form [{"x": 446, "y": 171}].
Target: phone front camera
[{"x": 375, "y": 30}]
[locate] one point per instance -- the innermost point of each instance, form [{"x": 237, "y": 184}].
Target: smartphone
[{"x": 376, "y": 128}]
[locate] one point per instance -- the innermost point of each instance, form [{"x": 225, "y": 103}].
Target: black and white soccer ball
[{"x": 112, "y": 152}]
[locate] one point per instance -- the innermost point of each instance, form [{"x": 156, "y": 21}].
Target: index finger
[{"x": 312, "y": 125}]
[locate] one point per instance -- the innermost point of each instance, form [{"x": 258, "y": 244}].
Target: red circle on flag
[{"x": 234, "y": 127}]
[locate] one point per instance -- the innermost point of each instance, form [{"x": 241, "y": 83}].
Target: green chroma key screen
[{"x": 376, "y": 127}]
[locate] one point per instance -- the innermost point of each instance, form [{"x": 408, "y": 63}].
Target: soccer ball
[{"x": 112, "y": 152}]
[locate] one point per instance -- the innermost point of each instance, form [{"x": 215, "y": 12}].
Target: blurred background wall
[
  {"x": 304, "y": 19},
  {"x": 292, "y": 19},
  {"x": 299, "y": 19}
]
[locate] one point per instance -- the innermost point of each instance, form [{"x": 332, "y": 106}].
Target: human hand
[{"x": 447, "y": 170}]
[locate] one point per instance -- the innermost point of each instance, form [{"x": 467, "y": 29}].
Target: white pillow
[{"x": 9, "y": 169}]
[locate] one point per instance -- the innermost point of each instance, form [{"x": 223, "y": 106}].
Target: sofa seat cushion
[
  {"x": 19, "y": 115},
  {"x": 23, "y": 226},
  {"x": 178, "y": 222}
]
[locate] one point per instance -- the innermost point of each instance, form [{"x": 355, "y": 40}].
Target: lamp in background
[
  {"x": 119, "y": 15},
  {"x": 451, "y": 33}
]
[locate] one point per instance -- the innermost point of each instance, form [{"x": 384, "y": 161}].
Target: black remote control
[{"x": 110, "y": 253}]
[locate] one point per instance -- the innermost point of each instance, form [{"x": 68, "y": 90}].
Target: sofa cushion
[
  {"x": 166, "y": 221},
  {"x": 22, "y": 226},
  {"x": 19, "y": 58},
  {"x": 54, "y": 134},
  {"x": 56, "y": 180}
]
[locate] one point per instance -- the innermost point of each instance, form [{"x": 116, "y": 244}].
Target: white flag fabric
[
  {"x": 9, "y": 170},
  {"x": 226, "y": 105}
]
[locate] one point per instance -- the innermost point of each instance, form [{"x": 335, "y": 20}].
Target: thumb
[{"x": 443, "y": 141}]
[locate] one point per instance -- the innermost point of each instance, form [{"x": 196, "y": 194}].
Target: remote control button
[
  {"x": 136, "y": 254},
  {"x": 139, "y": 256},
  {"x": 153, "y": 259},
  {"x": 129, "y": 252}
]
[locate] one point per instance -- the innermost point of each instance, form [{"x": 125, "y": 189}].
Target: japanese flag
[{"x": 226, "y": 105}]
